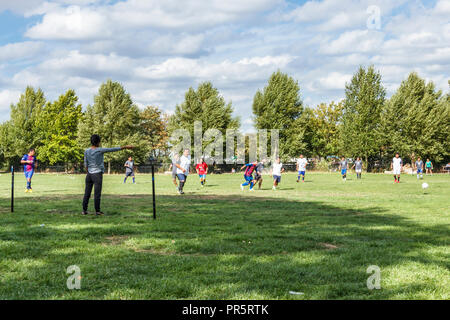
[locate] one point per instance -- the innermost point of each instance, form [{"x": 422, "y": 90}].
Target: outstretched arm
[{"x": 105, "y": 150}]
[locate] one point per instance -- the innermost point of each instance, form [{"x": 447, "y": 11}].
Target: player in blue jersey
[
  {"x": 343, "y": 166},
  {"x": 248, "y": 175},
  {"x": 29, "y": 164}
]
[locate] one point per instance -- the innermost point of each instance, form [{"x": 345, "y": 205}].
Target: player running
[
  {"x": 419, "y": 168},
  {"x": 277, "y": 169},
  {"x": 129, "y": 171},
  {"x": 301, "y": 168},
  {"x": 358, "y": 167},
  {"x": 397, "y": 166},
  {"x": 29, "y": 164},
  {"x": 343, "y": 166},
  {"x": 94, "y": 164},
  {"x": 248, "y": 175},
  {"x": 183, "y": 169},
  {"x": 429, "y": 167},
  {"x": 258, "y": 174},
  {"x": 202, "y": 171}
]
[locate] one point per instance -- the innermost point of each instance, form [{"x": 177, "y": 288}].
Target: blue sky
[{"x": 158, "y": 49}]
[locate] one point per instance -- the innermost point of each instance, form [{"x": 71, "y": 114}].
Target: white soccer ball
[{"x": 424, "y": 185}]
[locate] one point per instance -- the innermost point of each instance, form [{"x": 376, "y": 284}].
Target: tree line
[{"x": 414, "y": 121}]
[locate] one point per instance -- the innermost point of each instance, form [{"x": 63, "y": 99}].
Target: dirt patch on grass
[
  {"x": 5, "y": 210},
  {"x": 162, "y": 252},
  {"x": 328, "y": 246},
  {"x": 115, "y": 240}
]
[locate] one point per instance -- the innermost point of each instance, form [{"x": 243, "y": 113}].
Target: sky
[{"x": 159, "y": 48}]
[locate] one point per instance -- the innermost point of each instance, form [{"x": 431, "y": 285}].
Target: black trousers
[{"x": 93, "y": 180}]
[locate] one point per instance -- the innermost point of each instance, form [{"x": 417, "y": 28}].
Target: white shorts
[
  {"x": 397, "y": 170},
  {"x": 358, "y": 170}
]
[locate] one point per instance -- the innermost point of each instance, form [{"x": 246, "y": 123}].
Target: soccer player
[
  {"x": 397, "y": 166},
  {"x": 343, "y": 166},
  {"x": 301, "y": 168},
  {"x": 29, "y": 164},
  {"x": 93, "y": 162},
  {"x": 173, "y": 167},
  {"x": 277, "y": 169},
  {"x": 258, "y": 174},
  {"x": 358, "y": 167},
  {"x": 429, "y": 167},
  {"x": 419, "y": 168},
  {"x": 248, "y": 175},
  {"x": 183, "y": 169},
  {"x": 202, "y": 171},
  {"x": 129, "y": 171}
]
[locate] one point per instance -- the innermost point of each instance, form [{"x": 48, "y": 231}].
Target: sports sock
[
  {"x": 251, "y": 185},
  {"x": 398, "y": 179},
  {"x": 125, "y": 180},
  {"x": 133, "y": 180},
  {"x": 245, "y": 184}
]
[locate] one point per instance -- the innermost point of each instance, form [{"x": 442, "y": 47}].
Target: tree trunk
[{"x": 109, "y": 167}]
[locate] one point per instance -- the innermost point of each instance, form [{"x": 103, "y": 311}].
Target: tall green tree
[
  {"x": 207, "y": 105},
  {"x": 5, "y": 144},
  {"x": 415, "y": 121},
  {"x": 364, "y": 100},
  {"x": 326, "y": 123},
  {"x": 116, "y": 119},
  {"x": 23, "y": 133},
  {"x": 278, "y": 106},
  {"x": 154, "y": 128},
  {"x": 58, "y": 123}
]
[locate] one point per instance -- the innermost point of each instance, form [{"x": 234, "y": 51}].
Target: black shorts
[
  {"x": 258, "y": 177},
  {"x": 129, "y": 174}
]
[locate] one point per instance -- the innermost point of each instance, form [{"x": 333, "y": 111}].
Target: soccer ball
[{"x": 424, "y": 185}]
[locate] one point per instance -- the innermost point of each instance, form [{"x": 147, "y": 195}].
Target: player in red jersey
[{"x": 202, "y": 170}]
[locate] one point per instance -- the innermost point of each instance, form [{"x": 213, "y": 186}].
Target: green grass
[{"x": 317, "y": 237}]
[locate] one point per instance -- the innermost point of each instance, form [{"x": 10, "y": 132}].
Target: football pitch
[{"x": 317, "y": 238}]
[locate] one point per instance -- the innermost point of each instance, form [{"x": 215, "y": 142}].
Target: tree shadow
[{"x": 209, "y": 246}]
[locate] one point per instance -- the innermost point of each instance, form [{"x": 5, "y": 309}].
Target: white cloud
[
  {"x": 6, "y": 98},
  {"x": 246, "y": 69},
  {"x": 20, "y": 50},
  {"x": 334, "y": 80},
  {"x": 158, "y": 49},
  {"x": 107, "y": 21},
  {"x": 72, "y": 23},
  {"x": 353, "y": 42},
  {"x": 18, "y": 6}
]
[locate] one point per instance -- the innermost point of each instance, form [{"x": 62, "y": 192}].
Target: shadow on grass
[{"x": 208, "y": 246}]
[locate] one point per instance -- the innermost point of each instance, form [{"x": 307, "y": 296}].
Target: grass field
[{"x": 217, "y": 242}]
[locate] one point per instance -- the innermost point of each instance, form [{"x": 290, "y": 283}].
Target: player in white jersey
[
  {"x": 301, "y": 168},
  {"x": 183, "y": 169},
  {"x": 277, "y": 169},
  {"x": 397, "y": 166}
]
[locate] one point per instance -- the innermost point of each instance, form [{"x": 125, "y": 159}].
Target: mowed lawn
[{"x": 218, "y": 242}]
